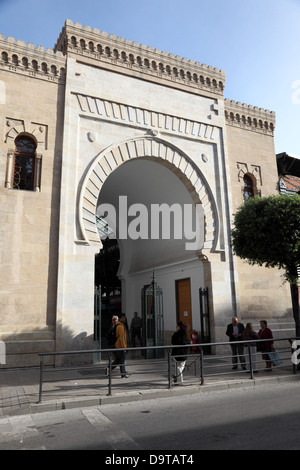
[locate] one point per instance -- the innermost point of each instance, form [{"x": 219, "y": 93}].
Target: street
[{"x": 259, "y": 418}]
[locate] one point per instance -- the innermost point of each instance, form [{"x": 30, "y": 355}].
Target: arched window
[
  {"x": 248, "y": 190},
  {"x": 4, "y": 57},
  {"x": 24, "y": 163},
  {"x": 74, "y": 41}
]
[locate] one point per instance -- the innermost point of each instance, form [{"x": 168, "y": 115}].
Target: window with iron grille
[{"x": 24, "y": 164}]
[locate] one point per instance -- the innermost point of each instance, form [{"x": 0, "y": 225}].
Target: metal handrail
[{"x": 168, "y": 348}]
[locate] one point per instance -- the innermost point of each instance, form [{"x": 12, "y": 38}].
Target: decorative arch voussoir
[{"x": 149, "y": 148}]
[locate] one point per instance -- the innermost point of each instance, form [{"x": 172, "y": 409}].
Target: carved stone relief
[
  {"x": 105, "y": 109},
  {"x": 171, "y": 157},
  {"x": 16, "y": 126},
  {"x": 255, "y": 170}
]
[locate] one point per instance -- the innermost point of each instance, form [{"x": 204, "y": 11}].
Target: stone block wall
[
  {"x": 263, "y": 294},
  {"x": 32, "y": 84}
]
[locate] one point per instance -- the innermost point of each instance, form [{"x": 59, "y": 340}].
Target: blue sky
[{"x": 256, "y": 42}]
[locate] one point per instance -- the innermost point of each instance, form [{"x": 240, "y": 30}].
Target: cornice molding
[
  {"x": 249, "y": 117},
  {"x": 109, "y": 50},
  {"x": 36, "y": 62}
]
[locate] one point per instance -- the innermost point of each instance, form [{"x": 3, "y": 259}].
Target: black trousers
[
  {"x": 120, "y": 360},
  {"x": 238, "y": 353}
]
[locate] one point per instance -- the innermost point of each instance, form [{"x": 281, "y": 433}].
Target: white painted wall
[{"x": 165, "y": 278}]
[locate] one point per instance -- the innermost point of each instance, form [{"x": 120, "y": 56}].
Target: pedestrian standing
[
  {"x": 135, "y": 329},
  {"x": 266, "y": 333},
  {"x": 180, "y": 337},
  {"x": 123, "y": 319},
  {"x": 111, "y": 334},
  {"x": 250, "y": 335},
  {"x": 234, "y": 331}
]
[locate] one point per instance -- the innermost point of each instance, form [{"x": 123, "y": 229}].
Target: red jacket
[{"x": 266, "y": 334}]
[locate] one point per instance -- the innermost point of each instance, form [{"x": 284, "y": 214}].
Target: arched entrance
[
  {"x": 167, "y": 155},
  {"x": 150, "y": 172}
]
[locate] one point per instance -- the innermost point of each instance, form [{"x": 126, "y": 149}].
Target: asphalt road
[{"x": 264, "y": 417}]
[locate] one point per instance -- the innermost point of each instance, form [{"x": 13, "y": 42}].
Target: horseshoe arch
[{"x": 148, "y": 148}]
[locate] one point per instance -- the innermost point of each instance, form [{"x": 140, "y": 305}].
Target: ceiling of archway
[{"x": 147, "y": 182}]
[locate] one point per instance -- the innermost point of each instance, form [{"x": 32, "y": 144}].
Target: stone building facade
[{"x": 101, "y": 117}]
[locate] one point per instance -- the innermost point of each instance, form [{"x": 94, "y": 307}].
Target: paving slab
[{"x": 64, "y": 388}]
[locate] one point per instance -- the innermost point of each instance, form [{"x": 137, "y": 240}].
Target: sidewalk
[{"x": 19, "y": 388}]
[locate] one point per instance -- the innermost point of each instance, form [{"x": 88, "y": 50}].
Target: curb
[{"x": 123, "y": 397}]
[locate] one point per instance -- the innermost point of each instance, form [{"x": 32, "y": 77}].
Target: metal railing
[{"x": 201, "y": 364}]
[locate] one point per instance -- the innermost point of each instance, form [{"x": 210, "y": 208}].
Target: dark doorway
[
  {"x": 106, "y": 267},
  {"x": 204, "y": 319}
]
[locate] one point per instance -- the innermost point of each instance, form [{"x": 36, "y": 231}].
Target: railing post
[
  {"x": 250, "y": 361},
  {"x": 169, "y": 368},
  {"x": 41, "y": 379},
  {"x": 109, "y": 372},
  {"x": 294, "y": 348},
  {"x": 201, "y": 367}
]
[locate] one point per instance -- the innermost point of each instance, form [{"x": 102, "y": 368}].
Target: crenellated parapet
[
  {"x": 26, "y": 59},
  {"x": 133, "y": 58},
  {"x": 249, "y": 117}
]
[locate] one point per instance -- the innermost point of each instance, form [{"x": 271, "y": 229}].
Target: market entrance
[
  {"x": 108, "y": 290},
  {"x": 133, "y": 251}
]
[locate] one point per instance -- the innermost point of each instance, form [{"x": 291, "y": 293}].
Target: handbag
[{"x": 275, "y": 358}]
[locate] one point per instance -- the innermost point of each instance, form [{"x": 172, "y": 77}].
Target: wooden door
[{"x": 184, "y": 303}]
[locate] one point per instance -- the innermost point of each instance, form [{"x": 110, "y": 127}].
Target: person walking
[
  {"x": 121, "y": 342},
  {"x": 234, "y": 331},
  {"x": 266, "y": 333},
  {"x": 250, "y": 335},
  {"x": 180, "y": 337},
  {"x": 111, "y": 334},
  {"x": 135, "y": 329},
  {"x": 123, "y": 319}
]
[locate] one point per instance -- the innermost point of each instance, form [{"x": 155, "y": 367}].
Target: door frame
[{"x": 205, "y": 318}]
